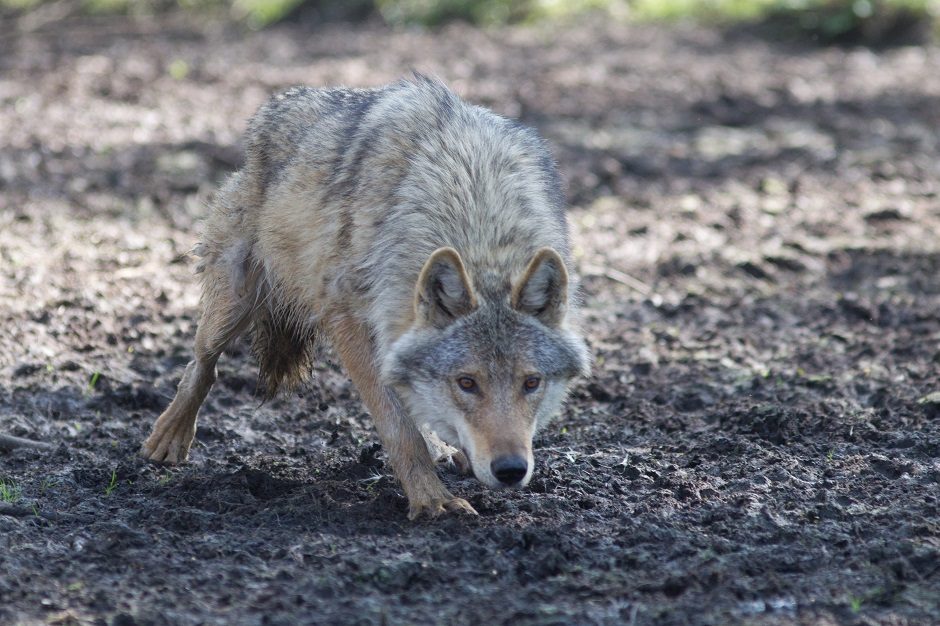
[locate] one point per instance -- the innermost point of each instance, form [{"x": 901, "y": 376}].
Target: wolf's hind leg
[{"x": 224, "y": 318}]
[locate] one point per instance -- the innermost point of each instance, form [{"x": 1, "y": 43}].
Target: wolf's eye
[
  {"x": 531, "y": 384},
  {"x": 467, "y": 384}
]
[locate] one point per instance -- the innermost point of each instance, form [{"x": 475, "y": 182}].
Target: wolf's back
[
  {"x": 347, "y": 192},
  {"x": 413, "y": 143}
]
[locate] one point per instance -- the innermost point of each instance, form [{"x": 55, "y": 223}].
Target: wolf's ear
[
  {"x": 443, "y": 293},
  {"x": 543, "y": 290}
]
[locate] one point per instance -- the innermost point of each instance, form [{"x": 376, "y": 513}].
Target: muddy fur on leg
[{"x": 285, "y": 351}]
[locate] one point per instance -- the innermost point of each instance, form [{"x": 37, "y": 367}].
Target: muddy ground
[{"x": 758, "y": 225}]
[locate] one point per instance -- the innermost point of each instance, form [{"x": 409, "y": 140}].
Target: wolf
[{"x": 426, "y": 239}]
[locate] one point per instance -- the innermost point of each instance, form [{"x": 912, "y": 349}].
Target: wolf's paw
[
  {"x": 167, "y": 450},
  {"x": 434, "y": 507},
  {"x": 170, "y": 440}
]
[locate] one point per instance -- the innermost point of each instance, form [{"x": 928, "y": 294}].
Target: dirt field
[{"x": 759, "y": 229}]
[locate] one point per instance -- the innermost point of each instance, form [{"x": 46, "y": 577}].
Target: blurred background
[
  {"x": 861, "y": 21},
  {"x": 866, "y": 21}
]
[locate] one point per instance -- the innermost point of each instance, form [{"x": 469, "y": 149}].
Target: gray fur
[{"x": 344, "y": 197}]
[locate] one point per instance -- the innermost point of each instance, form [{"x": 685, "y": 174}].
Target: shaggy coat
[{"x": 426, "y": 239}]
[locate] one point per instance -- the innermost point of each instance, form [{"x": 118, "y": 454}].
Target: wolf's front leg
[
  {"x": 407, "y": 450},
  {"x": 408, "y": 453}
]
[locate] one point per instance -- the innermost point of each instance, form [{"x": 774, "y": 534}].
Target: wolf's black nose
[{"x": 509, "y": 469}]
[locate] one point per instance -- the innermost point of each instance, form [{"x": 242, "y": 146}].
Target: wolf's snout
[{"x": 509, "y": 469}]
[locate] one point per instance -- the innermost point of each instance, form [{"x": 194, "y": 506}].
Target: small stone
[{"x": 931, "y": 404}]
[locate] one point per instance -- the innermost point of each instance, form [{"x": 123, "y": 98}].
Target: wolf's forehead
[{"x": 501, "y": 341}]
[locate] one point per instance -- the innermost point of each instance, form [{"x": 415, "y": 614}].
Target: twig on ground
[
  {"x": 9, "y": 442},
  {"x": 619, "y": 277}
]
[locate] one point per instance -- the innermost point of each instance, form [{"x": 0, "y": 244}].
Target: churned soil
[{"x": 758, "y": 227}]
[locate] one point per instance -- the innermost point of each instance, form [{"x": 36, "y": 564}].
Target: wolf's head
[{"x": 485, "y": 374}]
